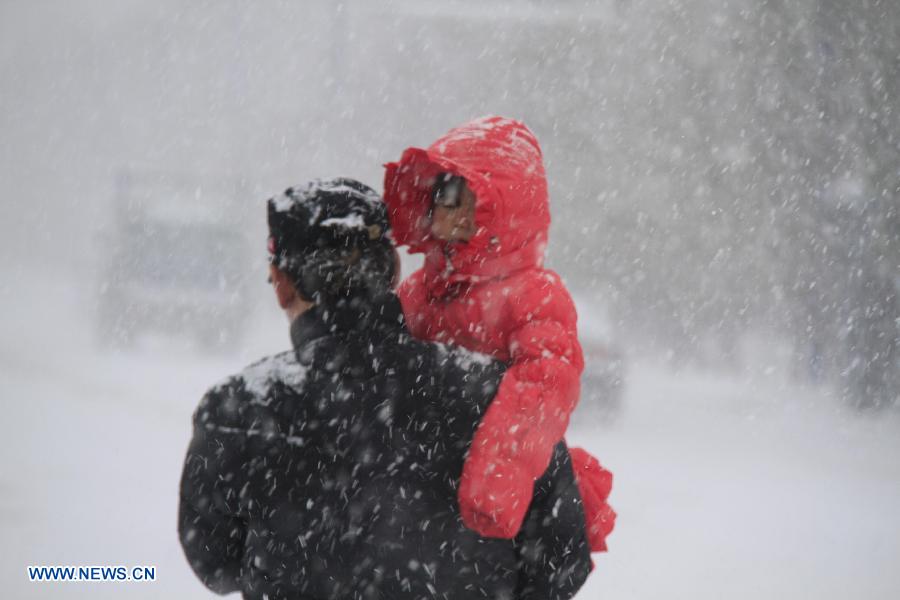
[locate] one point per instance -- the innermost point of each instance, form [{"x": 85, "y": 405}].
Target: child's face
[{"x": 453, "y": 217}]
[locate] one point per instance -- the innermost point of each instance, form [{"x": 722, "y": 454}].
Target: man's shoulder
[
  {"x": 472, "y": 373},
  {"x": 255, "y": 385},
  {"x": 462, "y": 358},
  {"x": 442, "y": 364},
  {"x": 282, "y": 369}
]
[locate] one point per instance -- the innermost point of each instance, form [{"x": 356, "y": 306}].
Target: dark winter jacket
[{"x": 331, "y": 471}]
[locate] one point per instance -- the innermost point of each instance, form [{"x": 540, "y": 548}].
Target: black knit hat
[{"x": 332, "y": 237}]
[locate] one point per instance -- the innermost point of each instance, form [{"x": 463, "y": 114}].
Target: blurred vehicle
[
  {"x": 175, "y": 259},
  {"x": 604, "y": 361}
]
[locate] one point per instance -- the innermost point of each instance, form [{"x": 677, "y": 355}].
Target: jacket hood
[{"x": 503, "y": 165}]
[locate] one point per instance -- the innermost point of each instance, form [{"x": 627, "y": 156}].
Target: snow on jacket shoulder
[{"x": 331, "y": 472}]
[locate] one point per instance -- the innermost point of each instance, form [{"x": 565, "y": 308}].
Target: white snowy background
[{"x": 703, "y": 157}]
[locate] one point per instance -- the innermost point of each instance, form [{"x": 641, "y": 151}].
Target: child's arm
[{"x": 529, "y": 415}]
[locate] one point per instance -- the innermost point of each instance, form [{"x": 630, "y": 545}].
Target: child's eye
[
  {"x": 446, "y": 193},
  {"x": 447, "y": 197}
]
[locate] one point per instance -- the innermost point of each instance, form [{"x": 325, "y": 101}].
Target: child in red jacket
[{"x": 475, "y": 203}]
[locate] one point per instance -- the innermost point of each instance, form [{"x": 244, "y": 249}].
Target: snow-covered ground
[{"x": 725, "y": 488}]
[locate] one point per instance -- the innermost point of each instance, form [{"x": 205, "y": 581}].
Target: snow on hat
[{"x": 331, "y": 236}]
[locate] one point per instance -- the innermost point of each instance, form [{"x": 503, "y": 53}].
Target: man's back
[{"x": 331, "y": 472}]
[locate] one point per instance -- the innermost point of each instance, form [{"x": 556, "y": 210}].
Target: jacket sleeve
[
  {"x": 529, "y": 416},
  {"x": 211, "y": 531}
]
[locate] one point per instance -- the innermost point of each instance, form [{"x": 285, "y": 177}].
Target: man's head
[{"x": 328, "y": 241}]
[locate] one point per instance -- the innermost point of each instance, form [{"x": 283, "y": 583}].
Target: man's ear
[{"x": 283, "y": 286}]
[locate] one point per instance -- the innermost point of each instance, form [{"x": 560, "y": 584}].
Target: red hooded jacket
[{"x": 492, "y": 295}]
